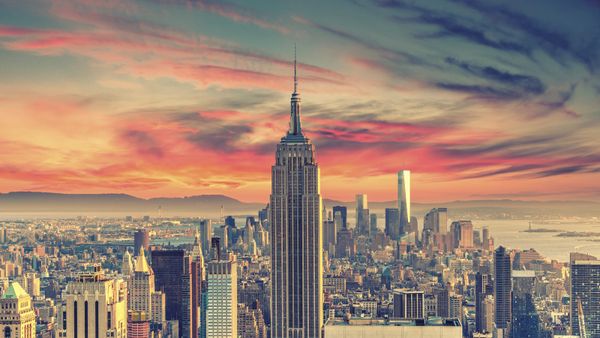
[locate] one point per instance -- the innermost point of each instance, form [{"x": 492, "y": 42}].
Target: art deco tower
[{"x": 296, "y": 247}]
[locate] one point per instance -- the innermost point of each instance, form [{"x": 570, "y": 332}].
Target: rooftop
[
  {"x": 435, "y": 321},
  {"x": 14, "y": 291}
]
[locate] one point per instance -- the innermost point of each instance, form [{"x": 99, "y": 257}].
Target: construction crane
[{"x": 581, "y": 320}]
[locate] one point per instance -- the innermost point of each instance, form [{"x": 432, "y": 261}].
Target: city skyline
[{"x": 172, "y": 105}]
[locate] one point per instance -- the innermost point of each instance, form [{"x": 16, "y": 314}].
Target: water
[{"x": 509, "y": 233}]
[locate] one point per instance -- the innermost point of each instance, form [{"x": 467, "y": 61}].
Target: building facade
[
  {"x": 222, "y": 307},
  {"x": 404, "y": 198},
  {"x": 141, "y": 285},
  {"x": 585, "y": 283},
  {"x": 502, "y": 288},
  {"x": 17, "y": 317},
  {"x": 409, "y": 304},
  {"x": 296, "y": 235},
  {"x": 169, "y": 270},
  {"x": 94, "y": 306}
]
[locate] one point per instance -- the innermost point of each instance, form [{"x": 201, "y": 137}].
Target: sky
[{"x": 479, "y": 99}]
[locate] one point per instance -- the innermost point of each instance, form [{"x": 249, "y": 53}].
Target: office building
[
  {"x": 158, "y": 307},
  {"x": 33, "y": 284},
  {"x": 404, "y": 198},
  {"x": 436, "y": 220},
  {"x": 487, "y": 314},
  {"x": 462, "y": 234},
  {"x": 392, "y": 223},
  {"x": 373, "y": 223},
  {"x": 250, "y": 322},
  {"x": 197, "y": 283},
  {"x": 442, "y": 295},
  {"x": 222, "y": 307},
  {"x": 126, "y": 265},
  {"x": 329, "y": 236},
  {"x": 141, "y": 286},
  {"x": 343, "y": 216},
  {"x": 206, "y": 233},
  {"x": 296, "y": 235},
  {"x": 502, "y": 288},
  {"x": 409, "y": 304},
  {"x": 483, "y": 288},
  {"x": 455, "y": 308},
  {"x": 170, "y": 274},
  {"x": 141, "y": 240},
  {"x": 362, "y": 214},
  {"x": 94, "y": 306},
  {"x": 585, "y": 284},
  {"x": 346, "y": 247},
  {"x": 525, "y": 319},
  {"x": 138, "y": 325},
  {"x": 17, "y": 317}
]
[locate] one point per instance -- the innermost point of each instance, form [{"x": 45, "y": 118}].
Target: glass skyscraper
[
  {"x": 404, "y": 198},
  {"x": 585, "y": 287}
]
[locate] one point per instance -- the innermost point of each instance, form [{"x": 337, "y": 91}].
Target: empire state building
[{"x": 296, "y": 237}]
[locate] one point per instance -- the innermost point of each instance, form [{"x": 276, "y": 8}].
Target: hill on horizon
[{"x": 33, "y": 202}]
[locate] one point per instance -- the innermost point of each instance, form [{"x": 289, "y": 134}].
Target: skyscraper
[
  {"x": 462, "y": 234},
  {"x": 296, "y": 235},
  {"x": 141, "y": 239},
  {"x": 17, "y": 318},
  {"x": 197, "y": 272},
  {"x": 409, "y": 304},
  {"x": 502, "y": 288},
  {"x": 436, "y": 220},
  {"x": 525, "y": 319},
  {"x": 483, "y": 288},
  {"x": 141, "y": 286},
  {"x": 343, "y": 212},
  {"x": 585, "y": 283},
  {"x": 392, "y": 223},
  {"x": 404, "y": 198},
  {"x": 373, "y": 223},
  {"x": 362, "y": 214},
  {"x": 94, "y": 306},
  {"x": 169, "y": 272},
  {"x": 222, "y": 307},
  {"x": 206, "y": 233}
]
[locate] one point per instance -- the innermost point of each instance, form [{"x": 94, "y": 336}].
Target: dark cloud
[
  {"x": 449, "y": 26},
  {"x": 220, "y": 138},
  {"x": 509, "y": 147},
  {"x": 554, "y": 43},
  {"x": 144, "y": 143},
  {"x": 526, "y": 83},
  {"x": 562, "y": 170},
  {"x": 559, "y": 103},
  {"x": 481, "y": 91},
  {"x": 507, "y": 170},
  {"x": 387, "y": 53}
]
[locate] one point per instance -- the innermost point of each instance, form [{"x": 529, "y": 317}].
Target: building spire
[
  {"x": 295, "y": 73},
  {"x": 295, "y": 126}
]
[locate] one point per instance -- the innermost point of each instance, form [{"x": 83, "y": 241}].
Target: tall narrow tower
[
  {"x": 296, "y": 247},
  {"x": 502, "y": 288},
  {"x": 404, "y": 200}
]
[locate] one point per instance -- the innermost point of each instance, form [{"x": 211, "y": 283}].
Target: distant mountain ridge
[{"x": 26, "y": 202}]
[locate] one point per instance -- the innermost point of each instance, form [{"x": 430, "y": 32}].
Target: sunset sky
[{"x": 480, "y": 100}]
